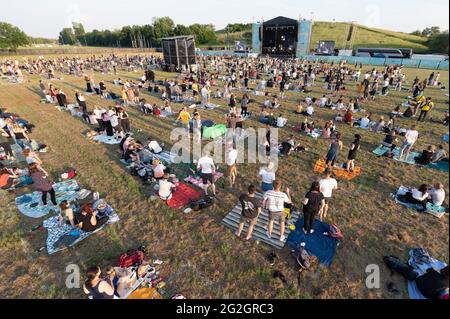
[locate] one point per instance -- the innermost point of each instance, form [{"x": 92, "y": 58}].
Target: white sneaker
[
  {"x": 268, "y": 235},
  {"x": 282, "y": 238}
]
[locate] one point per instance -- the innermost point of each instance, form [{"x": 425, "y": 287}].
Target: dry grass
[{"x": 203, "y": 259}]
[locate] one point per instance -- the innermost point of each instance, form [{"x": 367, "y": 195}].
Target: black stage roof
[{"x": 281, "y": 21}]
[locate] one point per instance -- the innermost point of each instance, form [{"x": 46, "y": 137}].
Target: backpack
[
  {"x": 302, "y": 257},
  {"x": 132, "y": 258},
  {"x": 335, "y": 232},
  {"x": 201, "y": 204}
]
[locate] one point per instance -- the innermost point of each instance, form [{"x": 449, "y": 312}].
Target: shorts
[
  {"x": 281, "y": 216},
  {"x": 207, "y": 178},
  {"x": 231, "y": 170},
  {"x": 252, "y": 221},
  {"x": 406, "y": 146}
]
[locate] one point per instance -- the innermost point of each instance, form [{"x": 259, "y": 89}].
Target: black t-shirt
[
  {"x": 431, "y": 284},
  {"x": 250, "y": 206},
  {"x": 315, "y": 200},
  {"x": 425, "y": 159}
]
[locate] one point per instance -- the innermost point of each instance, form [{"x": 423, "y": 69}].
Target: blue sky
[{"x": 47, "y": 17}]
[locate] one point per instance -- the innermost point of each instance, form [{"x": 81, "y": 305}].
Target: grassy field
[
  {"x": 365, "y": 37},
  {"x": 202, "y": 258}
]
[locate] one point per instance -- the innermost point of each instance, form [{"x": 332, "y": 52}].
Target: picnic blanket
[
  {"x": 65, "y": 236},
  {"x": 421, "y": 261},
  {"x": 381, "y": 150},
  {"x": 197, "y": 180},
  {"x": 437, "y": 211},
  {"x": 182, "y": 196},
  {"x": 214, "y": 132},
  {"x": 31, "y": 204},
  {"x": 316, "y": 133},
  {"x": 110, "y": 140},
  {"x": 316, "y": 244},
  {"x": 233, "y": 218},
  {"x": 166, "y": 157},
  {"x": 340, "y": 172}
]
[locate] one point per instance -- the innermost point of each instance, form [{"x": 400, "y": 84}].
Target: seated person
[
  {"x": 377, "y": 126},
  {"x": 7, "y": 179},
  {"x": 88, "y": 219},
  {"x": 396, "y": 112},
  {"x": 437, "y": 195},
  {"x": 166, "y": 188},
  {"x": 154, "y": 146},
  {"x": 281, "y": 121},
  {"x": 96, "y": 287},
  {"x": 364, "y": 122},
  {"x": 390, "y": 140},
  {"x": 426, "y": 157},
  {"x": 122, "y": 279},
  {"x": 409, "y": 112},
  {"x": 439, "y": 155},
  {"x": 326, "y": 132},
  {"x": 159, "y": 170},
  {"x": 339, "y": 118},
  {"x": 299, "y": 109},
  {"x": 443, "y": 121},
  {"x": 348, "y": 117},
  {"x": 418, "y": 196},
  {"x": 67, "y": 214},
  {"x": 309, "y": 111}
]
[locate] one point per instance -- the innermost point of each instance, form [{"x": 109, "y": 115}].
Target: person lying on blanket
[
  {"x": 166, "y": 188},
  {"x": 96, "y": 287},
  {"x": 432, "y": 285}
]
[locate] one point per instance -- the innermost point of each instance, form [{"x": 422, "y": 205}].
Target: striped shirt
[{"x": 275, "y": 201}]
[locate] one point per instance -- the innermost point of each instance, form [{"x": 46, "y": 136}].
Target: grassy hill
[{"x": 365, "y": 37}]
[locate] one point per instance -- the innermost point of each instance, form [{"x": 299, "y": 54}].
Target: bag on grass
[
  {"x": 335, "y": 232},
  {"x": 303, "y": 258},
  {"x": 201, "y": 204},
  {"x": 132, "y": 258}
]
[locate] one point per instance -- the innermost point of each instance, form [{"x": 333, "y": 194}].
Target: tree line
[
  {"x": 145, "y": 36},
  {"x": 438, "y": 41}
]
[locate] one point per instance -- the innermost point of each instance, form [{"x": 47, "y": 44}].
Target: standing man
[
  {"x": 425, "y": 108},
  {"x": 251, "y": 208},
  {"x": 327, "y": 185},
  {"x": 207, "y": 170},
  {"x": 185, "y": 118},
  {"x": 230, "y": 158},
  {"x": 409, "y": 140},
  {"x": 274, "y": 201}
]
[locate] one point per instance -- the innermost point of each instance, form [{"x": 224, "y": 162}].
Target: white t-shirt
[
  {"x": 206, "y": 164},
  {"x": 281, "y": 121},
  {"x": 275, "y": 200},
  {"x": 310, "y": 110},
  {"x": 411, "y": 136},
  {"x": 154, "y": 147},
  {"x": 231, "y": 157},
  {"x": 267, "y": 176},
  {"x": 438, "y": 196},
  {"x": 165, "y": 189},
  {"x": 327, "y": 186},
  {"x": 158, "y": 171},
  {"x": 364, "y": 122},
  {"x": 114, "y": 120}
]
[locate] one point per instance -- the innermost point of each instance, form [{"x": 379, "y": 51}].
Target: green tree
[
  {"x": 67, "y": 36},
  {"x": 163, "y": 28},
  {"x": 205, "y": 33},
  {"x": 11, "y": 37},
  {"x": 439, "y": 43},
  {"x": 181, "y": 30},
  {"x": 79, "y": 32}
]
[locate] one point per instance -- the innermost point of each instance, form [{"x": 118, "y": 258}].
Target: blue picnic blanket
[
  {"x": 437, "y": 211},
  {"x": 381, "y": 150},
  {"x": 31, "y": 204},
  {"x": 316, "y": 244},
  {"x": 445, "y": 138}
]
